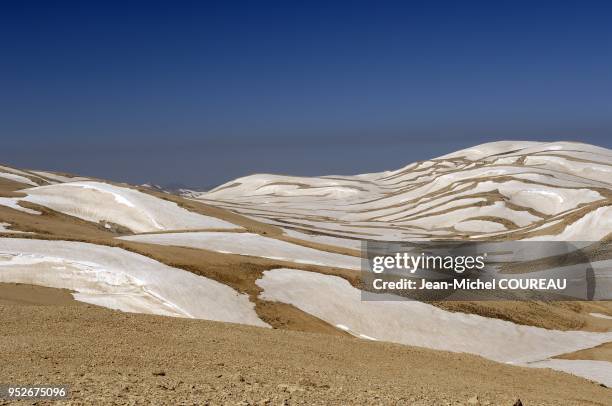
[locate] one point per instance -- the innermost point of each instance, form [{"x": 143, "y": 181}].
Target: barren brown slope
[
  {"x": 112, "y": 357},
  {"x": 20, "y": 294},
  {"x": 600, "y": 353},
  {"x": 9, "y": 188}
]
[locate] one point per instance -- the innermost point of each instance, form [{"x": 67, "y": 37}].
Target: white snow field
[
  {"x": 509, "y": 189},
  {"x": 250, "y": 244},
  {"x": 335, "y": 301},
  {"x": 119, "y": 279},
  {"x": 140, "y": 212}
]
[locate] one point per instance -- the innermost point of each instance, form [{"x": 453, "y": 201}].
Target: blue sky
[{"x": 203, "y": 92}]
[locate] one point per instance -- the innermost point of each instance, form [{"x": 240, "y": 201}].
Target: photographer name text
[{"x": 472, "y": 284}]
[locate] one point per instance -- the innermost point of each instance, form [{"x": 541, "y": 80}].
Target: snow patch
[
  {"x": 593, "y": 226},
  {"x": 598, "y": 371},
  {"x": 119, "y": 279},
  {"x": 17, "y": 178},
  {"x": 12, "y": 202},
  {"x": 140, "y": 212},
  {"x": 60, "y": 178},
  {"x": 335, "y": 301},
  {"x": 250, "y": 244},
  {"x": 324, "y": 239},
  {"x": 601, "y": 316}
]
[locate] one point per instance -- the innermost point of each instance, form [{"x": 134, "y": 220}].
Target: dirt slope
[{"x": 113, "y": 357}]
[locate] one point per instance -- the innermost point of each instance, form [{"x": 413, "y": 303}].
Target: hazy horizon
[{"x": 180, "y": 183}]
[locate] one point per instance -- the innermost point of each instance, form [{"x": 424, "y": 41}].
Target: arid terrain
[
  {"x": 261, "y": 278},
  {"x": 114, "y": 357}
]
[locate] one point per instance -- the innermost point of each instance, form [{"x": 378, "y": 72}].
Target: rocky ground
[{"x": 109, "y": 357}]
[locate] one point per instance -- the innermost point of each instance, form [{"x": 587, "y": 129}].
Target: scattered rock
[
  {"x": 473, "y": 400},
  {"x": 290, "y": 388}
]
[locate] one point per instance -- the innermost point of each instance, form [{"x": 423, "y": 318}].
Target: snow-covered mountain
[{"x": 499, "y": 190}]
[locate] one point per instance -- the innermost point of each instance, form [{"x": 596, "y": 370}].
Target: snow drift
[
  {"x": 119, "y": 279},
  {"x": 140, "y": 212}
]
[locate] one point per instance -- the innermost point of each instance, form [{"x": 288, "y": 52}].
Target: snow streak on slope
[
  {"x": 353, "y": 244},
  {"x": 250, "y": 244},
  {"x": 598, "y": 371},
  {"x": 17, "y": 175},
  {"x": 59, "y": 178},
  {"x": 36, "y": 178},
  {"x": 17, "y": 178},
  {"x": 118, "y": 279},
  {"x": 500, "y": 190},
  {"x": 335, "y": 301},
  {"x": 13, "y": 203},
  {"x": 140, "y": 212}
]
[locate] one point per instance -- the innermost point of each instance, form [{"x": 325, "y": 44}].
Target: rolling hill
[{"x": 284, "y": 252}]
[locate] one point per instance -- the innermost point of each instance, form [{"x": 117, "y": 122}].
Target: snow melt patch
[
  {"x": 335, "y": 301},
  {"x": 324, "y": 239},
  {"x": 12, "y": 202},
  {"x": 598, "y": 371},
  {"x": 17, "y": 178},
  {"x": 59, "y": 178},
  {"x": 594, "y": 226},
  {"x": 601, "y": 316},
  {"x": 4, "y": 229},
  {"x": 140, "y": 212},
  {"x": 250, "y": 244},
  {"x": 348, "y": 330},
  {"x": 119, "y": 279}
]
